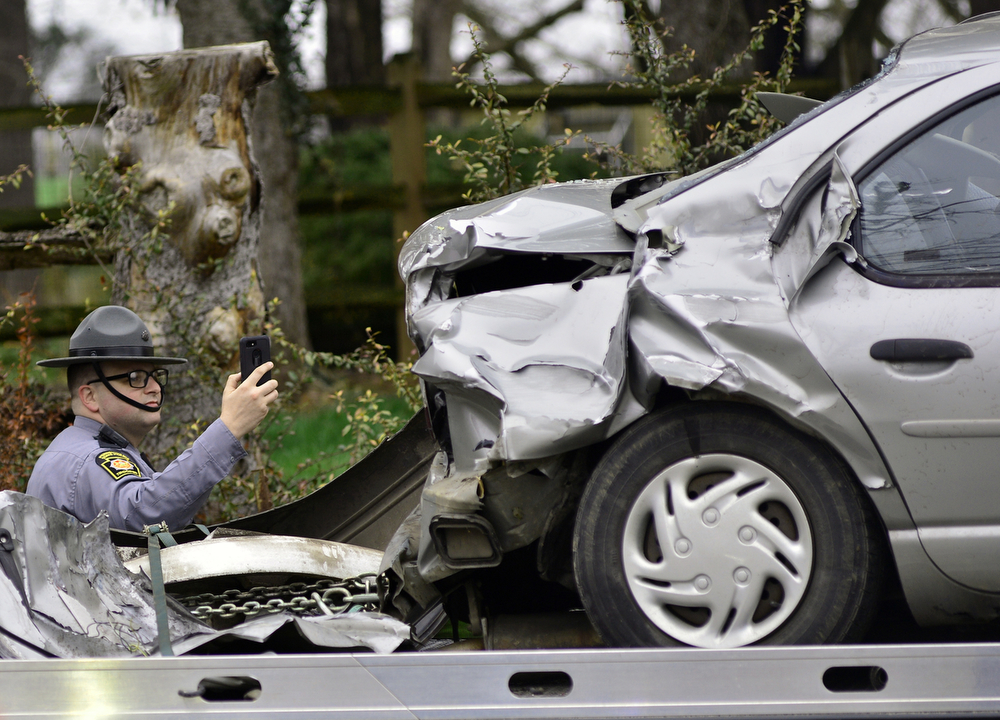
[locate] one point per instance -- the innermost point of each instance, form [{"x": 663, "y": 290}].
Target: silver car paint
[
  {"x": 541, "y": 370},
  {"x": 936, "y": 422}
]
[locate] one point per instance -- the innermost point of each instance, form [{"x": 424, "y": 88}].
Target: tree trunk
[
  {"x": 851, "y": 60},
  {"x": 715, "y": 29},
  {"x": 978, "y": 7},
  {"x": 432, "y": 30},
  {"x": 15, "y": 145},
  {"x": 768, "y": 59},
  {"x": 353, "y": 51},
  {"x": 221, "y": 23},
  {"x": 186, "y": 118},
  {"x": 354, "y": 43}
]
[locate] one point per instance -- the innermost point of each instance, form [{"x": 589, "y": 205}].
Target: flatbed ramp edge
[{"x": 899, "y": 681}]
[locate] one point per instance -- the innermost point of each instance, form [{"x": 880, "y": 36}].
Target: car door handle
[{"x": 920, "y": 350}]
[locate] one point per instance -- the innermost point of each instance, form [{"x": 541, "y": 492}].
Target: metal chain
[{"x": 324, "y": 597}]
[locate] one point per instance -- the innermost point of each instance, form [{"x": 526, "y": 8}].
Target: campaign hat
[{"x": 108, "y": 333}]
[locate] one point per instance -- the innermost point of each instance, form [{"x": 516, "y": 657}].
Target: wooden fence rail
[{"x": 28, "y": 241}]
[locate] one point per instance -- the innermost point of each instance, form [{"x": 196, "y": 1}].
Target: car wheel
[{"x": 717, "y": 525}]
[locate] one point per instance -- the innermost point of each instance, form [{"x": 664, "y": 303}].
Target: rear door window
[{"x": 931, "y": 209}]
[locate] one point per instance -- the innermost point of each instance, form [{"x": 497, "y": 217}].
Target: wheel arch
[
  {"x": 671, "y": 397},
  {"x": 852, "y": 445},
  {"x": 637, "y": 437}
]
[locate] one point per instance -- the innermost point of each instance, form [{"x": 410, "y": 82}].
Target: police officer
[{"x": 117, "y": 386}]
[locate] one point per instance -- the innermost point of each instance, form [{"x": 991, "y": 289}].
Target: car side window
[{"x": 933, "y": 207}]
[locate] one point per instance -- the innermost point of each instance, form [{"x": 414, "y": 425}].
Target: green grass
[{"x": 310, "y": 447}]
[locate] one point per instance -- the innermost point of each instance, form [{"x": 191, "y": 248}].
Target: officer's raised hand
[{"x": 245, "y": 404}]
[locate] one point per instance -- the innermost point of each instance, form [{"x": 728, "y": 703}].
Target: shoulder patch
[{"x": 117, "y": 464}]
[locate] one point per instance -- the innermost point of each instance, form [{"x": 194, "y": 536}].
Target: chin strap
[{"x": 128, "y": 400}]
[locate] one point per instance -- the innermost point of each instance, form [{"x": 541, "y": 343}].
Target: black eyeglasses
[{"x": 140, "y": 378}]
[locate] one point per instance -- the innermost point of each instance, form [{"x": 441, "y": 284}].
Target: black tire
[{"x": 770, "y": 538}]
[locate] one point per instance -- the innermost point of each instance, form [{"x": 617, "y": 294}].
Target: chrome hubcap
[{"x": 717, "y": 551}]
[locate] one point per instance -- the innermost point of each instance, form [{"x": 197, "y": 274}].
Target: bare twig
[{"x": 500, "y": 43}]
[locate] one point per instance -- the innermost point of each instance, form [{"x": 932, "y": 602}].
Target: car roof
[
  {"x": 920, "y": 60},
  {"x": 973, "y": 42}
]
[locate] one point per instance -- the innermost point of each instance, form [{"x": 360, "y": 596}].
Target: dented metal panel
[
  {"x": 934, "y": 418},
  {"x": 712, "y": 231},
  {"x": 64, "y": 592},
  {"x": 565, "y": 217},
  {"x": 553, "y": 357}
]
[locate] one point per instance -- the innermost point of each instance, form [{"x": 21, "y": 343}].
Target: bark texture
[
  {"x": 851, "y": 60},
  {"x": 15, "y": 146},
  {"x": 768, "y": 59},
  {"x": 978, "y": 7},
  {"x": 715, "y": 29},
  {"x": 222, "y": 23},
  {"x": 186, "y": 118},
  {"x": 432, "y": 29},
  {"x": 354, "y": 53},
  {"x": 354, "y": 43}
]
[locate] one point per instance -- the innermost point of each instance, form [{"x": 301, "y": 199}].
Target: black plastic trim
[
  {"x": 882, "y": 277},
  {"x": 920, "y": 350},
  {"x": 791, "y": 213},
  {"x": 443, "y": 522}
]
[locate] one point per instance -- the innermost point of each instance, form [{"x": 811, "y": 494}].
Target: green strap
[{"x": 156, "y": 534}]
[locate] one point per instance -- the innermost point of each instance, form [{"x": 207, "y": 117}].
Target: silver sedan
[{"x": 720, "y": 409}]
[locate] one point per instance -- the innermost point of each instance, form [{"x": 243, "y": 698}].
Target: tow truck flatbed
[{"x": 860, "y": 681}]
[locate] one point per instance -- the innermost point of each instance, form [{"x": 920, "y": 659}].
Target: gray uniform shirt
[{"x": 89, "y": 467}]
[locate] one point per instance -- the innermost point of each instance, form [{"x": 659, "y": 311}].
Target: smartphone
[{"x": 254, "y": 352}]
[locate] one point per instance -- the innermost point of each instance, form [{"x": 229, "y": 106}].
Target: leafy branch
[
  {"x": 676, "y": 120},
  {"x": 30, "y": 413},
  {"x": 495, "y": 166},
  {"x": 102, "y": 217}
]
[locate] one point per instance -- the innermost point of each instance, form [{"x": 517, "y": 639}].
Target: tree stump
[{"x": 188, "y": 258}]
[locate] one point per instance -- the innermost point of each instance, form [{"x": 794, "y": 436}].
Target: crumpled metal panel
[
  {"x": 703, "y": 309},
  {"x": 563, "y": 217},
  {"x": 718, "y": 261},
  {"x": 714, "y": 315},
  {"x": 552, "y": 356},
  {"x": 822, "y": 229},
  {"x": 534, "y": 371},
  {"x": 374, "y": 631},
  {"x": 65, "y": 593},
  {"x": 443, "y": 493}
]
